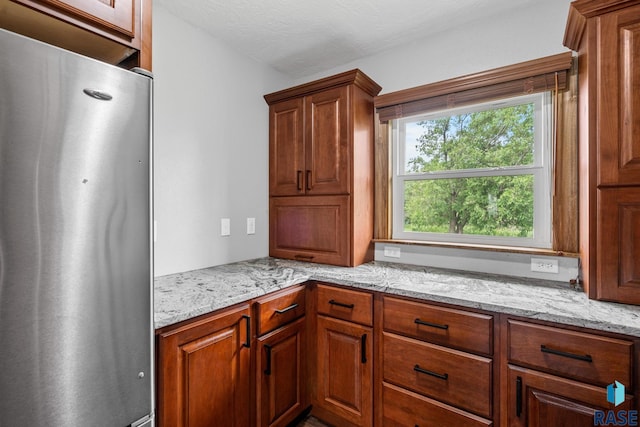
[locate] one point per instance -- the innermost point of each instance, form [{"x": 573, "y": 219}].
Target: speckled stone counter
[{"x": 186, "y": 295}]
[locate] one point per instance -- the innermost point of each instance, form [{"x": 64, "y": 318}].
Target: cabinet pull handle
[
  {"x": 299, "y": 180},
  {"x": 518, "y": 396},
  {"x": 247, "y": 343},
  {"x": 417, "y": 368},
  {"x": 585, "y": 358},
  {"x": 268, "y": 370},
  {"x": 363, "y": 348},
  {"x": 341, "y": 304},
  {"x": 433, "y": 325},
  {"x": 304, "y": 257},
  {"x": 308, "y": 180},
  {"x": 284, "y": 310}
]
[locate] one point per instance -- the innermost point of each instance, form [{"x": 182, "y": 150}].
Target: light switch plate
[
  {"x": 251, "y": 226},
  {"x": 225, "y": 226}
]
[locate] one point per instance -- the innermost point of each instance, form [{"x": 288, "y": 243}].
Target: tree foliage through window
[{"x": 496, "y": 204}]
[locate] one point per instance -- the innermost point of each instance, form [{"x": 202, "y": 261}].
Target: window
[{"x": 475, "y": 174}]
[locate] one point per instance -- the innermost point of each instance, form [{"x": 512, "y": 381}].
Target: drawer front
[
  {"x": 450, "y": 376},
  {"x": 346, "y": 304},
  {"x": 403, "y": 408},
  {"x": 449, "y": 327},
  {"x": 279, "y": 309},
  {"x": 582, "y": 356}
]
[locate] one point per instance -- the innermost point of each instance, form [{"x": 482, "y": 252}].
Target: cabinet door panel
[
  {"x": 345, "y": 370},
  {"x": 327, "y": 142},
  {"x": 203, "y": 372},
  {"x": 536, "y": 399},
  {"x": 114, "y": 15},
  {"x": 619, "y": 104},
  {"x": 618, "y": 269},
  {"x": 286, "y": 148},
  {"x": 314, "y": 228},
  {"x": 208, "y": 396},
  {"x": 281, "y": 375}
]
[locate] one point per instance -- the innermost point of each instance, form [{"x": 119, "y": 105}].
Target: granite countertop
[{"x": 186, "y": 295}]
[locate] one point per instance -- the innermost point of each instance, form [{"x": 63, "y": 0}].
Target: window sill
[{"x": 490, "y": 248}]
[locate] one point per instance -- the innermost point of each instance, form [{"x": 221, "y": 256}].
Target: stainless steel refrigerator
[{"x": 76, "y": 327}]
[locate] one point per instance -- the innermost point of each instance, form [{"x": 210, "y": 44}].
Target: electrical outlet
[
  {"x": 544, "y": 265},
  {"x": 225, "y": 226},
  {"x": 251, "y": 226},
  {"x": 392, "y": 252}
]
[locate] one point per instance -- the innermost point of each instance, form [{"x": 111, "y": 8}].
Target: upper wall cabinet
[
  {"x": 118, "y": 32},
  {"x": 309, "y": 145},
  {"x": 321, "y": 170},
  {"x": 606, "y": 35}
]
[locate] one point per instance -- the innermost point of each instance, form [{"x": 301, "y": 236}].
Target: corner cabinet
[
  {"x": 321, "y": 170},
  {"x": 606, "y": 35},
  {"x": 117, "y": 32}
]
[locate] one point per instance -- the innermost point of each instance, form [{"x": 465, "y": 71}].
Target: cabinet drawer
[
  {"x": 583, "y": 356},
  {"x": 451, "y": 376},
  {"x": 404, "y": 408},
  {"x": 279, "y": 309},
  {"x": 346, "y": 304},
  {"x": 449, "y": 327}
]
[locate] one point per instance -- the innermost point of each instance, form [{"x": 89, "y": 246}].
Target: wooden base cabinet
[
  {"x": 344, "y": 358},
  {"x": 437, "y": 365},
  {"x": 204, "y": 371},
  {"x": 536, "y": 399},
  {"x": 281, "y": 375},
  {"x": 560, "y": 377},
  {"x": 281, "y": 357}
]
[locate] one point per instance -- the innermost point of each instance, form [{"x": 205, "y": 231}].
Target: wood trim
[
  {"x": 523, "y": 70},
  {"x": 525, "y": 86},
  {"x": 565, "y": 195},
  {"x": 146, "y": 35},
  {"x": 355, "y": 77},
  {"x": 580, "y": 10},
  {"x": 382, "y": 184}
]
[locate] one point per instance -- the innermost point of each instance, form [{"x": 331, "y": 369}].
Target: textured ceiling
[{"x": 302, "y": 37}]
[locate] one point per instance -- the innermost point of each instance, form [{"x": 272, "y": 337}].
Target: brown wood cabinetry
[
  {"x": 321, "y": 170},
  {"x": 423, "y": 365},
  {"x": 118, "y": 32},
  {"x": 204, "y": 371},
  {"x": 559, "y": 377},
  {"x": 606, "y": 35},
  {"x": 281, "y": 358},
  {"x": 344, "y": 364}
]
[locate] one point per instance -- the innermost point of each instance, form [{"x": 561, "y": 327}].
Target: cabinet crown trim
[
  {"x": 355, "y": 77},
  {"x": 580, "y": 10}
]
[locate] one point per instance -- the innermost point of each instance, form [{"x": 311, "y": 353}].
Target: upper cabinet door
[
  {"x": 618, "y": 53},
  {"x": 327, "y": 142},
  {"x": 114, "y": 16},
  {"x": 286, "y": 148}
]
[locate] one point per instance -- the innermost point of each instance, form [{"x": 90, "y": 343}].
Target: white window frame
[{"x": 540, "y": 169}]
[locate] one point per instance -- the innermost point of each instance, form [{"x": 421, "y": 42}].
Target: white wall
[
  {"x": 211, "y": 147},
  {"x": 211, "y": 130},
  {"x": 506, "y": 39}
]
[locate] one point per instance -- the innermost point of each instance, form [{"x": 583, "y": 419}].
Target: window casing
[{"x": 488, "y": 175}]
